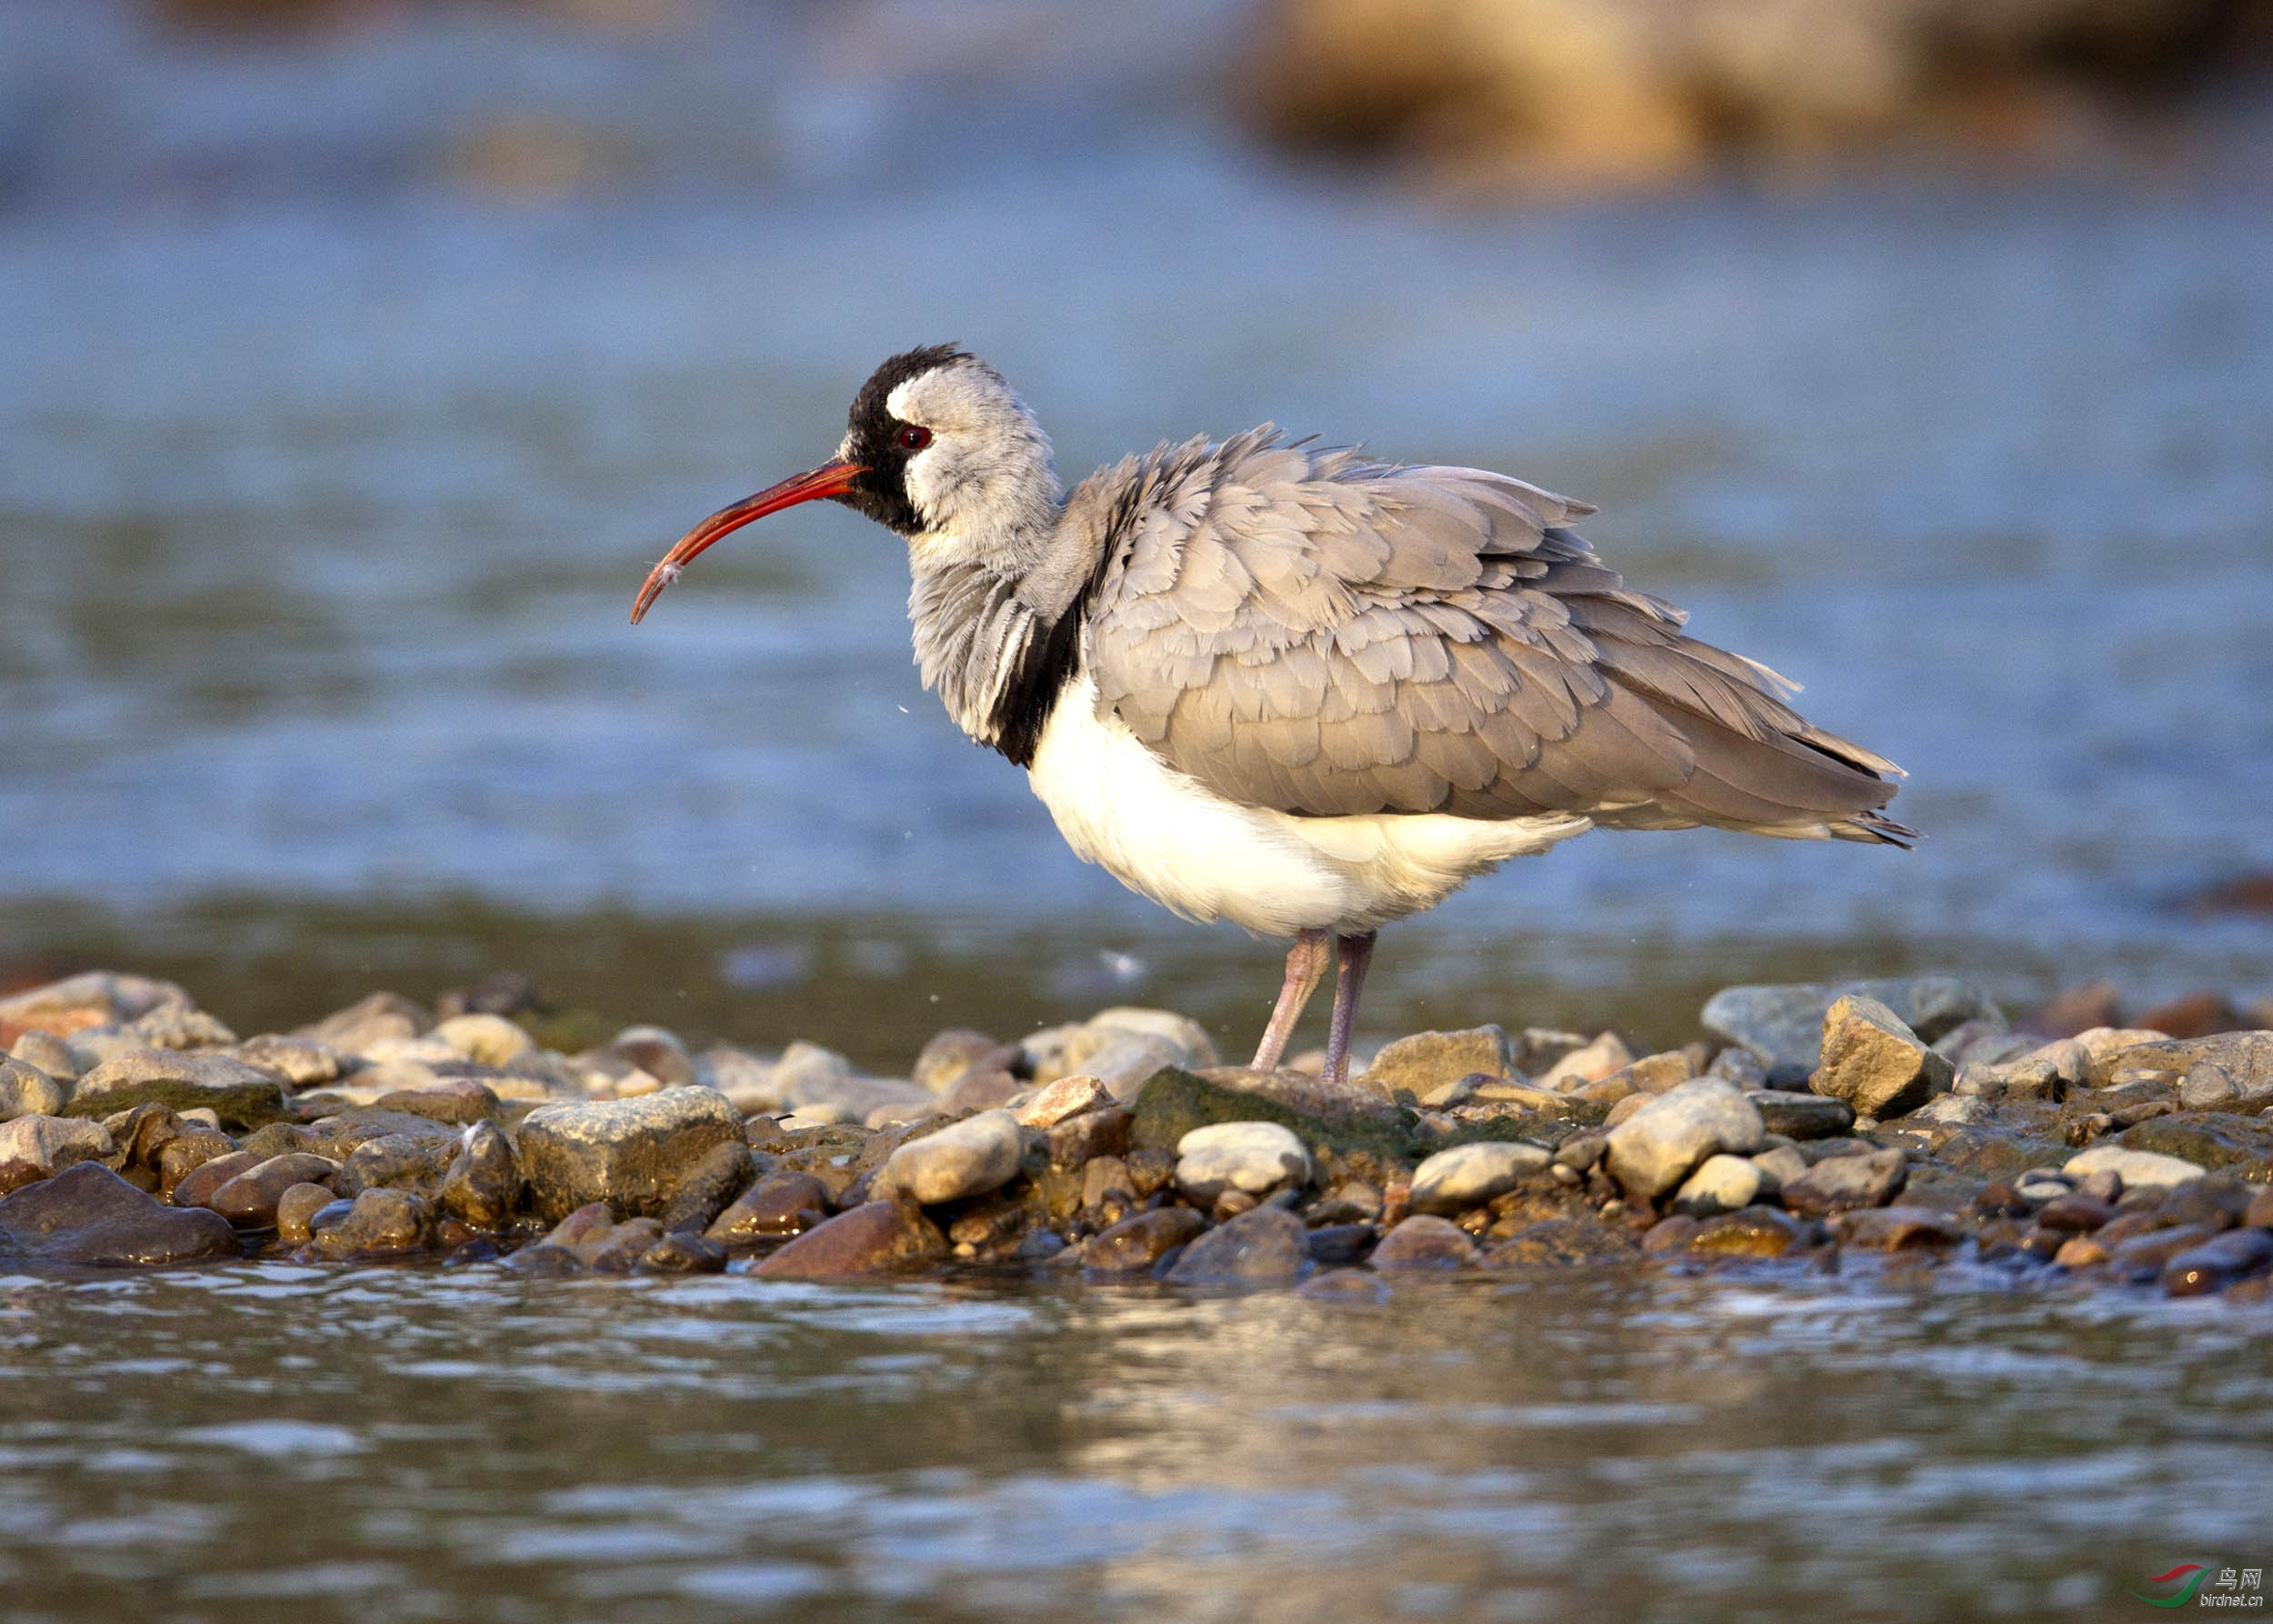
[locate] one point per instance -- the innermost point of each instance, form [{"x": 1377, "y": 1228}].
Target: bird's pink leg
[
  {"x": 1356, "y": 954},
  {"x": 1306, "y": 967}
]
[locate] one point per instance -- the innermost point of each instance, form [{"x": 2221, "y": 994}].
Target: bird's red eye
[{"x": 914, "y": 438}]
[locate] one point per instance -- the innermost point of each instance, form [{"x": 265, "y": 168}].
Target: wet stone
[
  {"x": 875, "y": 1237},
  {"x": 965, "y": 1159},
  {"x": 1755, "y": 1232},
  {"x": 2075, "y": 1212},
  {"x": 190, "y": 1150},
  {"x": 295, "y": 1206},
  {"x": 1783, "y": 1025},
  {"x": 777, "y": 1205},
  {"x": 1897, "y": 1229},
  {"x": 1471, "y": 1175},
  {"x": 196, "y": 1186},
  {"x": 482, "y": 1186},
  {"x": 249, "y": 1200},
  {"x": 1563, "y": 1243},
  {"x": 1345, "y": 1286},
  {"x": 456, "y": 1101},
  {"x": 1255, "y": 1158},
  {"x": 1332, "y": 1245},
  {"x": 1423, "y": 1241},
  {"x": 683, "y": 1254},
  {"x": 240, "y": 1095},
  {"x": 2143, "y": 1258},
  {"x": 88, "y": 1214},
  {"x": 627, "y": 1152},
  {"x": 708, "y": 1189},
  {"x": 301, "y": 1062},
  {"x": 1140, "y": 1241},
  {"x": 1268, "y": 1244},
  {"x": 395, "y": 1161},
  {"x": 378, "y": 1223},
  {"x": 2219, "y": 1262},
  {"x": 1839, "y": 1183}
]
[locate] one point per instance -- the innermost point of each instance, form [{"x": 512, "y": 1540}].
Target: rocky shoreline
[{"x": 1804, "y": 1125}]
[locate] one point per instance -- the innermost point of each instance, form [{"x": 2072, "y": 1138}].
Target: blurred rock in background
[{"x": 1584, "y": 91}]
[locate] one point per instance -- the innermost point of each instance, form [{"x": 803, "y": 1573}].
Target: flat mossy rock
[
  {"x": 241, "y": 1096},
  {"x": 1175, "y": 1102}
]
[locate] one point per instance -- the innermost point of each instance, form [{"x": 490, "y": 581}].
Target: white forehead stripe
[{"x": 895, "y": 403}]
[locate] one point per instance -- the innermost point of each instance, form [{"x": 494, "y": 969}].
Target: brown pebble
[
  {"x": 1751, "y": 1232},
  {"x": 1141, "y": 1239},
  {"x": 196, "y": 1186},
  {"x": 1897, "y": 1228},
  {"x": 2259, "y": 1215},
  {"x": 2144, "y": 1256},
  {"x": 2219, "y": 1263},
  {"x": 875, "y": 1238},
  {"x": 1671, "y": 1234},
  {"x": 2076, "y": 1212},
  {"x": 2080, "y": 1251},
  {"x": 778, "y": 1204},
  {"x": 1231, "y": 1204},
  {"x": 249, "y": 1199},
  {"x": 1423, "y": 1241},
  {"x": 298, "y": 1204}
]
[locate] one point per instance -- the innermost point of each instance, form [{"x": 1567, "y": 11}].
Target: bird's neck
[{"x": 997, "y": 625}]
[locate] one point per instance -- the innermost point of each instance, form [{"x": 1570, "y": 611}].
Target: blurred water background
[{"x": 359, "y": 358}]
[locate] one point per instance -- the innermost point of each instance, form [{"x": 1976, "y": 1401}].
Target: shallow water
[
  {"x": 273, "y": 1442},
  {"x": 327, "y": 473}
]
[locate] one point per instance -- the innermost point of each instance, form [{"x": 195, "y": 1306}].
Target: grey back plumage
[{"x": 1305, "y": 629}]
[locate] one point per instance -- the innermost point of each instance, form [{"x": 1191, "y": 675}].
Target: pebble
[
  {"x": 949, "y": 1053},
  {"x": 379, "y": 1223},
  {"x": 1874, "y": 1062},
  {"x": 236, "y": 1093},
  {"x": 1663, "y": 1142},
  {"x": 2143, "y": 1258},
  {"x": 482, "y": 1186},
  {"x": 1266, "y": 1244},
  {"x": 88, "y": 1214},
  {"x": 1470, "y": 1175},
  {"x": 2219, "y": 1262},
  {"x": 1141, "y": 1239},
  {"x": 1784, "y": 1024},
  {"x": 1604, "y": 1057},
  {"x": 1897, "y": 1228},
  {"x": 189, "y": 1149},
  {"x": 368, "y": 1021},
  {"x": 415, "y": 1162},
  {"x": 976, "y": 1090},
  {"x": 39, "y": 1147},
  {"x": 1423, "y": 1241},
  {"x": 48, "y": 1053},
  {"x": 1839, "y": 1182},
  {"x": 196, "y": 1187},
  {"x": 2136, "y": 1168},
  {"x": 1427, "y": 1061},
  {"x": 26, "y": 1090},
  {"x": 1721, "y": 1184},
  {"x": 301, "y": 1062},
  {"x": 491, "y": 1039},
  {"x": 627, "y": 1152},
  {"x": 296, "y": 1206},
  {"x": 683, "y": 1254},
  {"x": 1778, "y": 1166},
  {"x": 875, "y": 1238},
  {"x": 2075, "y": 1212},
  {"x": 249, "y": 1199},
  {"x": 1194, "y": 1047},
  {"x": 1130, "y": 1060},
  {"x": 1256, "y": 1158},
  {"x": 1345, "y": 1286},
  {"x": 965, "y": 1159},
  {"x": 777, "y": 1205},
  {"x": 707, "y": 1188},
  {"x": 1754, "y": 1232},
  {"x": 1077, "y": 1140},
  {"x": 1067, "y": 1096}
]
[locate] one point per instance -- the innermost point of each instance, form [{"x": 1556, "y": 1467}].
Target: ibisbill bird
[{"x": 1266, "y": 681}]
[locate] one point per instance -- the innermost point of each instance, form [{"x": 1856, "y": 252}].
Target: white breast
[{"x": 1166, "y": 837}]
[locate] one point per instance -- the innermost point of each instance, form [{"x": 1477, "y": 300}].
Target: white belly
[{"x": 1165, "y": 836}]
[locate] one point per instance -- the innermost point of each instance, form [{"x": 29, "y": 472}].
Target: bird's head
[{"x": 937, "y": 448}]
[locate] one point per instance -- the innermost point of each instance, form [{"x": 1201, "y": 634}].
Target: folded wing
[{"x": 1310, "y": 631}]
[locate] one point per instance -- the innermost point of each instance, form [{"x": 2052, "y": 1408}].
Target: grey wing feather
[{"x": 1307, "y": 630}]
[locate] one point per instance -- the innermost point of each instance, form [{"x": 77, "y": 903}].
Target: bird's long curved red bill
[{"x": 830, "y": 479}]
